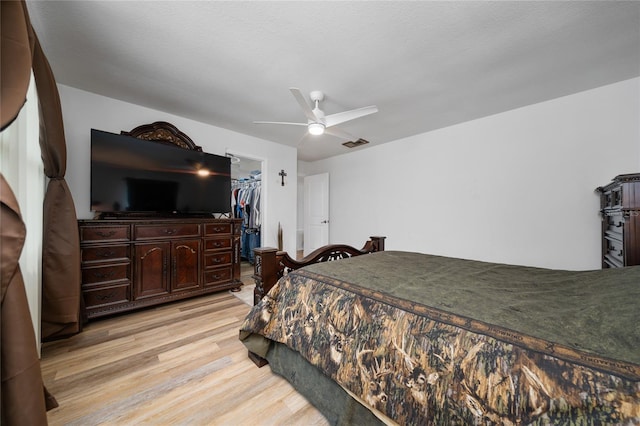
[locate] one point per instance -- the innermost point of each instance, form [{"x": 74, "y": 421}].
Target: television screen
[{"x": 139, "y": 176}]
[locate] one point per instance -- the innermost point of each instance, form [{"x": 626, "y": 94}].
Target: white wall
[
  {"x": 83, "y": 111},
  {"x": 516, "y": 187}
]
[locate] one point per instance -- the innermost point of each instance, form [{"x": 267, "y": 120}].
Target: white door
[{"x": 316, "y": 212}]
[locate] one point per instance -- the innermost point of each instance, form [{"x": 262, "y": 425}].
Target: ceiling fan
[{"x": 317, "y": 122}]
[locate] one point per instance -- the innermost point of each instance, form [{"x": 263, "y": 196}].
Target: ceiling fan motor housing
[{"x": 316, "y": 96}]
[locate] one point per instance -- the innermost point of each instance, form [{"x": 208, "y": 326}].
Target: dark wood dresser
[
  {"x": 620, "y": 210},
  {"x": 132, "y": 263}
]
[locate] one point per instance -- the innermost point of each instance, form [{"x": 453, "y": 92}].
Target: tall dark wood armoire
[{"x": 620, "y": 210}]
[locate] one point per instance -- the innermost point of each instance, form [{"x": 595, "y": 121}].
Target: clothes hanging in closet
[{"x": 245, "y": 204}]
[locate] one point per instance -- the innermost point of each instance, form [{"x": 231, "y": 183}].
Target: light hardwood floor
[{"x": 172, "y": 365}]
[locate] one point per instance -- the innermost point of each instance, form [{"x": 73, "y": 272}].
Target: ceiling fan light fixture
[{"x": 315, "y": 129}]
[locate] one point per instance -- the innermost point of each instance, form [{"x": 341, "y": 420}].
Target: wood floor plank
[{"x": 176, "y": 364}]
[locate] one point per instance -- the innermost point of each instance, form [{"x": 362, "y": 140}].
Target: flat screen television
[{"x": 135, "y": 176}]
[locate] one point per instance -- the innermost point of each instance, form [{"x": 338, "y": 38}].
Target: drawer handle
[
  {"x": 621, "y": 253},
  {"x": 104, "y": 275},
  {"x": 170, "y": 231},
  {"x": 619, "y": 224},
  {"x": 216, "y": 260},
  {"x": 106, "y": 234},
  {"x": 217, "y": 229},
  {"x": 106, "y": 254}
]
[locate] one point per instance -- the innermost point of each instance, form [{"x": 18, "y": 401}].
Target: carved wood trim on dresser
[{"x": 163, "y": 132}]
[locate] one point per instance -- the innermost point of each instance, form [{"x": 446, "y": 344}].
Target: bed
[{"x": 398, "y": 337}]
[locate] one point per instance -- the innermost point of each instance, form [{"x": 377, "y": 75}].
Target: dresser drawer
[
  {"x": 614, "y": 221},
  {"x": 614, "y": 224},
  {"x": 217, "y": 243},
  {"x": 217, "y": 276},
  {"x": 104, "y": 296},
  {"x": 614, "y": 251},
  {"x": 153, "y": 232},
  {"x": 106, "y": 253},
  {"x": 104, "y": 233},
  {"x": 217, "y": 259},
  {"x": 101, "y": 274},
  {"x": 217, "y": 228}
]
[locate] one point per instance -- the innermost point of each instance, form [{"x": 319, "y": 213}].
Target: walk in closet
[{"x": 246, "y": 196}]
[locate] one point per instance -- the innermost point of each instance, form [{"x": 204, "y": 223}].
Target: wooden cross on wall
[{"x": 282, "y": 174}]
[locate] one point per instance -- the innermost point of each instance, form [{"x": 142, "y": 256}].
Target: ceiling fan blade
[
  {"x": 308, "y": 112},
  {"x": 334, "y": 131},
  {"x": 280, "y": 122},
  {"x": 341, "y": 117}
]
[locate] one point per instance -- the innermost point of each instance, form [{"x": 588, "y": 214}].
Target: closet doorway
[{"x": 247, "y": 199}]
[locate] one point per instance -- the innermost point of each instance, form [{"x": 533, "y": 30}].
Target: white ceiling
[{"x": 426, "y": 65}]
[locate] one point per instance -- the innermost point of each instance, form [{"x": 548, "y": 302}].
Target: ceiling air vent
[{"x": 352, "y": 144}]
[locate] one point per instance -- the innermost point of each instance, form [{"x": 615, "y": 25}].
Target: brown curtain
[
  {"x": 61, "y": 242},
  {"x": 24, "y": 398},
  {"x": 15, "y": 67},
  {"x": 21, "y": 52}
]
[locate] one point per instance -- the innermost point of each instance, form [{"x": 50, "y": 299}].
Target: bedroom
[{"x": 514, "y": 186}]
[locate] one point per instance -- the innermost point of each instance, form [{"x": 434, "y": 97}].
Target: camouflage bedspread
[{"x": 434, "y": 340}]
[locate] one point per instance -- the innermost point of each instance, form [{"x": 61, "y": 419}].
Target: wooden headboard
[{"x": 272, "y": 264}]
